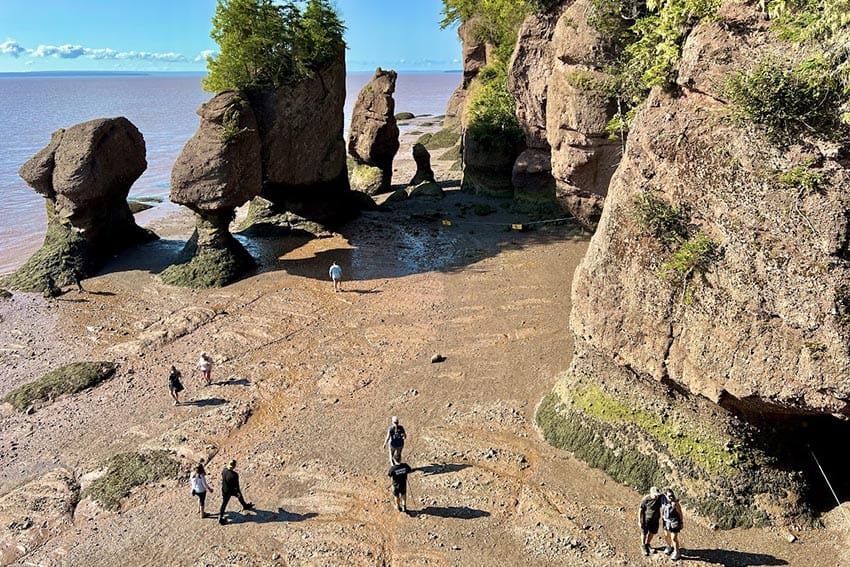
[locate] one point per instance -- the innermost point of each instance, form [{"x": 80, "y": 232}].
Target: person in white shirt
[
  {"x": 335, "y": 272},
  {"x": 205, "y": 366},
  {"x": 198, "y": 481}
]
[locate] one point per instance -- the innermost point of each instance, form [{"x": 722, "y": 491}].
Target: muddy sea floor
[{"x": 305, "y": 382}]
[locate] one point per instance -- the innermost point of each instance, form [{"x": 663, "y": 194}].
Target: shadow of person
[
  {"x": 258, "y": 516},
  {"x": 730, "y": 558},
  {"x": 362, "y": 291},
  {"x": 457, "y": 512},
  {"x": 441, "y": 468},
  {"x": 233, "y": 382},
  {"x": 106, "y": 293},
  {"x": 206, "y": 402}
]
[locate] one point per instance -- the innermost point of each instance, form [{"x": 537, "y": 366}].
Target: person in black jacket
[{"x": 229, "y": 488}]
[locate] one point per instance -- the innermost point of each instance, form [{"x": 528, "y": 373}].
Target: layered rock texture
[
  {"x": 373, "y": 133},
  {"x": 84, "y": 174},
  {"x": 555, "y": 77},
  {"x": 711, "y": 347},
  {"x": 305, "y": 179},
  {"x": 219, "y": 169}
]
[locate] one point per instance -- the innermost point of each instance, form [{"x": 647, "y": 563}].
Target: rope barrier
[{"x": 829, "y": 484}]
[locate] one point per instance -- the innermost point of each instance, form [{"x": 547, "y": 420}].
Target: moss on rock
[
  {"x": 366, "y": 178},
  {"x": 445, "y": 138},
  {"x": 126, "y": 471},
  {"x": 68, "y": 379},
  {"x": 201, "y": 266}
]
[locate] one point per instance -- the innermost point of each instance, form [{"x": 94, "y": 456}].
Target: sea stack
[
  {"x": 84, "y": 174},
  {"x": 218, "y": 170},
  {"x": 373, "y": 134}
]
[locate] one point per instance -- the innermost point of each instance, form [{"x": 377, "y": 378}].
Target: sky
[{"x": 173, "y": 35}]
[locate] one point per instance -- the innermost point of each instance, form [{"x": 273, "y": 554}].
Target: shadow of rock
[
  {"x": 441, "y": 468},
  {"x": 457, "y": 512},
  {"x": 729, "y": 558}
]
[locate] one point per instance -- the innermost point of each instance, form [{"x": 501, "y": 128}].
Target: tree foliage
[{"x": 264, "y": 43}]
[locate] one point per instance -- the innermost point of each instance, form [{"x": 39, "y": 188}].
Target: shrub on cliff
[{"x": 267, "y": 44}]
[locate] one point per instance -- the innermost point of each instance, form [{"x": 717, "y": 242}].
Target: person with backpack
[
  {"x": 198, "y": 481},
  {"x": 395, "y": 439},
  {"x": 671, "y": 514},
  {"x": 398, "y": 473},
  {"x": 649, "y": 516}
]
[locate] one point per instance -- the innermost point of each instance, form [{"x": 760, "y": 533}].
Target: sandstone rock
[
  {"x": 532, "y": 176},
  {"x": 373, "y": 133},
  {"x": 218, "y": 170},
  {"x": 366, "y": 178},
  {"x": 397, "y": 196},
  {"x": 423, "y": 165},
  {"x": 427, "y": 189},
  {"x": 405, "y": 116},
  {"x": 85, "y": 174},
  {"x": 753, "y": 342},
  {"x": 488, "y": 166}
]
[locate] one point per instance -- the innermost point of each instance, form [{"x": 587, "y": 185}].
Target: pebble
[{"x": 437, "y": 358}]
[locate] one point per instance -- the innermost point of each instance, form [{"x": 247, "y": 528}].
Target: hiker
[
  {"x": 398, "y": 473},
  {"x": 335, "y": 272},
  {"x": 671, "y": 514},
  {"x": 205, "y": 365},
  {"x": 78, "y": 279},
  {"x": 649, "y": 514},
  {"x": 174, "y": 385},
  {"x": 395, "y": 439},
  {"x": 230, "y": 488},
  {"x": 198, "y": 481}
]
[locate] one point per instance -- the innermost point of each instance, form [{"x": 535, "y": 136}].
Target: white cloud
[
  {"x": 203, "y": 55},
  {"x": 68, "y": 51},
  {"x": 11, "y": 47}
]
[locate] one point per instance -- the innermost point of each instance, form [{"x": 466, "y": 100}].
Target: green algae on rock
[
  {"x": 126, "y": 471},
  {"x": 68, "y": 379}
]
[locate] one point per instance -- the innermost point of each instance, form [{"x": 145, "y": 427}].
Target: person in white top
[
  {"x": 198, "y": 481},
  {"x": 205, "y": 366},
  {"x": 335, "y": 272}
]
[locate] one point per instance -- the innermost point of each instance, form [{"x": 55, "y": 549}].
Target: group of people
[
  {"x": 175, "y": 384},
  {"x": 656, "y": 509},
  {"x": 229, "y": 489}
]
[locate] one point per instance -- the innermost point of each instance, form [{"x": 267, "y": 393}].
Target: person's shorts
[
  {"x": 399, "y": 490},
  {"x": 202, "y": 496},
  {"x": 651, "y": 526},
  {"x": 673, "y": 530}
]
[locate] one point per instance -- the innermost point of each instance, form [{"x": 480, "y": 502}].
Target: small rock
[
  {"x": 437, "y": 358},
  {"x": 791, "y": 538},
  {"x": 456, "y": 548},
  {"x": 275, "y": 556}
]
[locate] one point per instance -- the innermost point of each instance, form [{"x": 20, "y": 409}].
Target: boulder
[
  {"x": 711, "y": 349},
  {"x": 488, "y": 165},
  {"x": 84, "y": 174},
  {"x": 218, "y": 170},
  {"x": 366, "y": 178},
  {"x": 423, "y": 165},
  {"x": 532, "y": 176},
  {"x": 373, "y": 133},
  {"x": 427, "y": 189},
  {"x": 301, "y": 125}
]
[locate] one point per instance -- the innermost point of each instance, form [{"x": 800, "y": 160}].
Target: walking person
[
  {"x": 205, "y": 365},
  {"x": 671, "y": 514},
  {"x": 230, "y": 488},
  {"x": 335, "y": 272},
  {"x": 200, "y": 487},
  {"x": 649, "y": 516},
  {"x": 398, "y": 473},
  {"x": 395, "y": 440},
  {"x": 175, "y": 386}
]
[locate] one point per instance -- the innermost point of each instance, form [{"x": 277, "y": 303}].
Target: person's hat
[
  {"x": 395, "y": 419},
  {"x": 231, "y": 463},
  {"x": 653, "y": 491}
]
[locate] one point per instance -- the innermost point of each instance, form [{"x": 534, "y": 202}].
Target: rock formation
[
  {"x": 373, "y": 133},
  {"x": 556, "y": 77},
  {"x": 84, "y": 174},
  {"x": 305, "y": 179},
  {"x": 712, "y": 346},
  {"x": 423, "y": 165},
  {"x": 476, "y": 54},
  {"x": 218, "y": 170}
]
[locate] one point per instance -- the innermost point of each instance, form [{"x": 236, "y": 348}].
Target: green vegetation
[
  {"x": 567, "y": 429},
  {"x": 230, "y": 121},
  {"x": 64, "y": 251},
  {"x": 405, "y": 116},
  {"x": 68, "y": 379},
  {"x": 789, "y": 101},
  {"x": 802, "y": 180},
  {"x": 129, "y": 470},
  {"x": 663, "y": 221},
  {"x": 264, "y": 43},
  {"x": 694, "y": 257},
  {"x": 492, "y": 110}
]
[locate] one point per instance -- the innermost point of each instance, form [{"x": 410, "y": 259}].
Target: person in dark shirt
[
  {"x": 229, "y": 488},
  {"x": 649, "y": 515},
  {"x": 398, "y": 473}
]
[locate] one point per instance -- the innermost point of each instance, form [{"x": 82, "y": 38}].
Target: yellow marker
[
  {"x": 447, "y": 222},
  {"x": 516, "y": 226}
]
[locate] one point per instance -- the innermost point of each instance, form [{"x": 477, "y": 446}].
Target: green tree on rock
[{"x": 265, "y": 43}]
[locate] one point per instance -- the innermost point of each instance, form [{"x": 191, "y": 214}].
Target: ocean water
[{"x": 161, "y": 107}]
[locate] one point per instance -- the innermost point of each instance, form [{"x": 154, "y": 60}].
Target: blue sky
[{"x": 173, "y": 35}]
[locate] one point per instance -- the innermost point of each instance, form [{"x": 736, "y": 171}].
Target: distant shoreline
[{"x": 77, "y": 74}]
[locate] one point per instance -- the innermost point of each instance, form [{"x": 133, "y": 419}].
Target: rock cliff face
[
  {"x": 305, "y": 179},
  {"x": 84, "y": 174},
  {"x": 710, "y": 364},
  {"x": 219, "y": 169},
  {"x": 373, "y": 134},
  {"x": 557, "y": 62}
]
